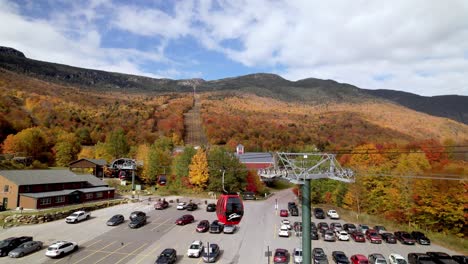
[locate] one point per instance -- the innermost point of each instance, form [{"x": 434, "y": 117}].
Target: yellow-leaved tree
[{"x": 198, "y": 170}]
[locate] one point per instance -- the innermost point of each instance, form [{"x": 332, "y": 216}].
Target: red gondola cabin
[{"x": 229, "y": 209}]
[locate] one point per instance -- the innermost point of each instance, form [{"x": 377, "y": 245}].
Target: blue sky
[{"x": 415, "y": 46}]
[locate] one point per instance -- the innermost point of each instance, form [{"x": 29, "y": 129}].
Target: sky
[{"x": 416, "y": 46}]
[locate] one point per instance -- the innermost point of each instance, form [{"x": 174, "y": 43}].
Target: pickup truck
[
  {"x": 78, "y": 216},
  {"x": 11, "y": 243}
]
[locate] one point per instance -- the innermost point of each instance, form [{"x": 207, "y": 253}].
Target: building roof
[
  {"x": 31, "y": 177},
  {"x": 255, "y": 157},
  {"x": 93, "y": 180},
  {"x": 66, "y": 192},
  {"x": 99, "y": 162}
]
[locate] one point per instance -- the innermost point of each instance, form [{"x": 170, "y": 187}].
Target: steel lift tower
[{"x": 301, "y": 168}]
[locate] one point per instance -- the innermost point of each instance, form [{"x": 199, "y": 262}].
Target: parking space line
[
  {"x": 112, "y": 252},
  {"x": 94, "y": 253},
  {"x": 147, "y": 255},
  {"x": 183, "y": 228},
  {"x": 97, "y": 241},
  {"x": 159, "y": 225},
  {"x": 131, "y": 253}
]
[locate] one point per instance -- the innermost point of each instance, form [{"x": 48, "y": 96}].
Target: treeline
[{"x": 386, "y": 185}]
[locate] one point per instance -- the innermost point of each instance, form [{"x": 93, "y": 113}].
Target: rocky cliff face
[{"x": 11, "y": 52}]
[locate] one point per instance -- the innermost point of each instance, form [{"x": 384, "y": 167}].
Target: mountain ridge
[{"x": 310, "y": 90}]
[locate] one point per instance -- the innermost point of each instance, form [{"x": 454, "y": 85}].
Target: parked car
[
  {"x": 229, "y": 229},
  {"x": 421, "y": 238},
  {"x": 441, "y": 257},
  {"x": 297, "y": 255},
  {"x": 284, "y": 213},
  {"x": 342, "y": 235},
  {"x": 340, "y": 257},
  {"x": 283, "y": 231},
  {"x": 336, "y": 226},
  {"x": 11, "y": 243},
  {"x": 216, "y": 227},
  {"x": 314, "y": 234},
  {"x": 358, "y": 237},
  {"x": 203, "y": 226},
  {"x": 333, "y": 214},
  {"x": 322, "y": 227},
  {"x": 181, "y": 206},
  {"x": 280, "y": 256},
  {"x": 167, "y": 256},
  {"x": 380, "y": 229},
  {"x": 389, "y": 238},
  {"x": 160, "y": 205},
  {"x": 210, "y": 254},
  {"x": 419, "y": 258},
  {"x": 396, "y": 259},
  {"x": 286, "y": 223},
  {"x": 191, "y": 207},
  {"x": 294, "y": 211},
  {"x": 137, "y": 222},
  {"x": 195, "y": 249},
  {"x": 185, "y": 219},
  {"x": 373, "y": 236},
  {"x": 359, "y": 259},
  {"x": 60, "y": 248},
  {"x": 137, "y": 214},
  {"x": 460, "y": 259},
  {"x": 363, "y": 228},
  {"x": 25, "y": 249},
  {"x": 319, "y": 213},
  {"x": 404, "y": 238},
  {"x": 249, "y": 196},
  {"x": 319, "y": 256},
  {"x": 329, "y": 235},
  {"x": 350, "y": 228},
  {"x": 78, "y": 216},
  {"x": 291, "y": 205},
  {"x": 376, "y": 258},
  {"x": 115, "y": 220},
  {"x": 211, "y": 207}
]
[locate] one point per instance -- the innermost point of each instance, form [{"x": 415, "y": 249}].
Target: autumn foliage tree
[
  {"x": 67, "y": 148},
  {"x": 198, "y": 170}
]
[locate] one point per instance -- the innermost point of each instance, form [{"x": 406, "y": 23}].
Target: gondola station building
[{"x": 37, "y": 189}]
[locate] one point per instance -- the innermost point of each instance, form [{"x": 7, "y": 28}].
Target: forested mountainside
[{"x": 311, "y": 90}]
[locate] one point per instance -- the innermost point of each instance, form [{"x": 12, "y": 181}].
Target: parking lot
[{"x": 115, "y": 245}]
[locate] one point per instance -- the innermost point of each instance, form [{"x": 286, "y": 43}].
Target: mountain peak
[{"x": 11, "y": 52}]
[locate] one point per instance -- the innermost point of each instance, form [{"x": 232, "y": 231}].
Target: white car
[
  {"x": 195, "y": 249},
  {"x": 60, "y": 248},
  {"x": 229, "y": 229},
  {"x": 283, "y": 231},
  {"x": 181, "y": 205},
  {"x": 333, "y": 214},
  {"x": 342, "y": 235},
  {"x": 297, "y": 255},
  {"x": 286, "y": 223},
  {"x": 397, "y": 259}
]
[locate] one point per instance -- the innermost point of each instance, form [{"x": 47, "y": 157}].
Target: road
[{"x": 117, "y": 245}]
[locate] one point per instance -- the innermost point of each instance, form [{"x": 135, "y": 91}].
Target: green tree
[
  {"x": 84, "y": 136},
  {"x": 180, "y": 167},
  {"x": 198, "y": 170},
  {"x": 235, "y": 173},
  {"x": 66, "y": 149},
  {"x": 157, "y": 162},
  {"x": 116, "y": 144}
]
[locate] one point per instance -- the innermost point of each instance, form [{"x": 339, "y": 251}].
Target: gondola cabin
[{"x": 229, "y": 209}]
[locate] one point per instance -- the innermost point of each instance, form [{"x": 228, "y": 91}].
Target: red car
[
  {"x": 359, "y": 259},
  {"x": 373, "y": 236},
  {"x": 185, "y": 219},
  {"x": 281, "y": 256},
  {"x": 358, "y": 237},
  {"x": 203, "y": 226},
  {"x": 284, "y": 213}
]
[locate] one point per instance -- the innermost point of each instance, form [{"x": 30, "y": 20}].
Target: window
[
  {"x": 99, "y": 195},
  {"x": 89, "y": 196},
  {"x": 45, "y": 201},
  {"x": 60, "y": 199},
  {"x": 26, "y": 188},
  {"x": 6, "y": 188}
]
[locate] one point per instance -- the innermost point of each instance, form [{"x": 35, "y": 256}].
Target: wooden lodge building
[{"x": 37, "y": 189}]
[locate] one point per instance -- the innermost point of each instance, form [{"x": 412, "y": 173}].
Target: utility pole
[{"x": 301, "y": 168}]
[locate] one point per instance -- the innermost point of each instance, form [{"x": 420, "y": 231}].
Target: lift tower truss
[{"x": 301, "y": 168}]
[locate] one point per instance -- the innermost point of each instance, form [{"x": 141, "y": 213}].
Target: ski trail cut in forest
[{"x": 194, "y": 133}]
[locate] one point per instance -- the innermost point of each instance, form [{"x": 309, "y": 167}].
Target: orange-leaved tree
[{"x": 198, "y": 169}]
